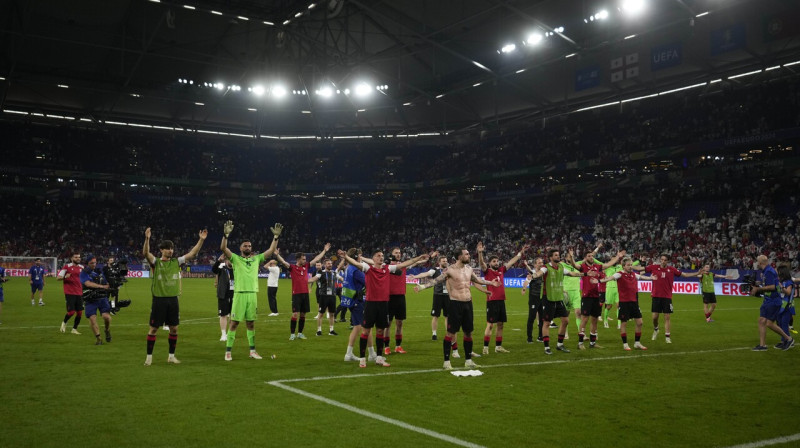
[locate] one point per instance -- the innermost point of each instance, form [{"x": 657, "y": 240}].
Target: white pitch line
[
  {"x": 775, "y": 441},
  {"x": 522, "y": 364},
  {"x": 378, "y": 417}
]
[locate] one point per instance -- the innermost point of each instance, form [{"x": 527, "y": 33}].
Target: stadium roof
[{"x": 441, "y": 65}]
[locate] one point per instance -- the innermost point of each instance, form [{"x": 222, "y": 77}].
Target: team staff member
[
  {"x": 36, "y": 272},
  {"x": 770, "y": 309},
  {"x": 496, "y": 301},
  {"x": 273, "y": 279},
  {"x": 326, "y": 288},
  {"x": 245, "y": 288},
  {"x": 533, "y": 286},
  {"x": 353, "y": 284},
  {"x": 223, "y": 282},
  {"x": 94, "y": 280},
  {"x": 165, "y": 287},
  {"x": 300, "y": 301},
  {"x": 70, "y": 274}
]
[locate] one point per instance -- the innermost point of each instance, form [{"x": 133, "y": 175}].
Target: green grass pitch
[{"x": 706, "y": 389}]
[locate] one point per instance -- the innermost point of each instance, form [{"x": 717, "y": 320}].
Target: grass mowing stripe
[
  {"x": 775, "y": 441},
  {"x": 378, "y": 417},
  {"x": 521, "y": 364}
]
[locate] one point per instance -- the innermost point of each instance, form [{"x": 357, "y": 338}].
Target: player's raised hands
[
  {"x": 203, "y": 234},
  {"x": 327, "y": 247},
  {"x": 227, "y": 228},
  {"x": 277, "y": 229},
  {"x": 341, "y": 253},
  {"x": 525, "y": 248},
  {"x": 480, "y": 246},
  {"x": 147, "y": 232}
]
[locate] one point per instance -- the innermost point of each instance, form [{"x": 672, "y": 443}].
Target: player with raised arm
[
  {"x": 36, "y": 273},
  {"x": 166, "y": 274},
  {"x": 664, "y": 277},
  {"x": 553, "y": 298},
  {"x": 300, "y": 301},
  {"x": 458, "y": 278},
  {"x": 590, "y": 295},
  {"x": 376, "y": 310},
  {"x": 628, "y": 286},
  {"x": 496, "y": 301},
  {"x": 707, "y": 289},
  {"x": 245, "y": 288},
  {"x": 70, "y": 274}
]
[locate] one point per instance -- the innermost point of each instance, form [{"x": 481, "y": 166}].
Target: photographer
[
  {"x": 95, "y": 296},
  {"x": 223, "y": 282},
  {"x": 771, "y": 307}
]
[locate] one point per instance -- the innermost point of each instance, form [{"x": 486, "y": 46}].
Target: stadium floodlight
[
  {"x": 325, "y": 92},
  {"x": 508, "y": 48},
  {"x": 189, "y": 7},
  {"x": 601, "y": 15},
  {"x": 347, "y": 91},
  {"x": 559, "y": 29},
  {"x": 534, "y": 39},
  {"x": 298, "y": 14},
  {"x": 63, "y": 86},
  {"x": 242, "y": 17},
  {"x": 219, "y": 86},
  {"x": 266, "y": 22},
  {"x": 312, "y": 6},
  {"x": 286, "y": 22},
  {"x": 702, "y": 14},
  {"x": 279, "y": 91},
  {"x": 216, "y": 13},
  {"x": 258, "y": 90},
  {"x": 633, "y": 7},
  {"x": 363, "y": 89}
]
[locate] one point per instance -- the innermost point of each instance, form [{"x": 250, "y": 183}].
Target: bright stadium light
[
  {"x": 534, "y": 39},
  {"x": 219, "y": 86},
  {"x": 258, "y": 90},
  {"x": 325, "y": 92},
  {"x": 633, "y": 7},
  {"x": 363, "y": 89},
  {"x": 601, "y": 15},
  {"x": 279, "y": 91},
  {"x": 508, "y": 48}
]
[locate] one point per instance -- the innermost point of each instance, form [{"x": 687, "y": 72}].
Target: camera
[
  {"x": 748, "y": 282},
  {"x": 116, "y": 273}
]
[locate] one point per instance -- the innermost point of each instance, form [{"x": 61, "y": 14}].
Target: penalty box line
[{"x": 281, "y": 384}]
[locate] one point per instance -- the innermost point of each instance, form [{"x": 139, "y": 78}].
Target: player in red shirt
[
  {"x": 397, "y": 304},
  {"x": 590, "y": 293},
  {"x": 496, "y": 301},
  {"x": 664, "y": 276},
  {"x": 628, "y": 286},
  {"x": 70, "y": 274},
  {"x": 376, "y": 309},
  {"x": 300, "y": 303}
]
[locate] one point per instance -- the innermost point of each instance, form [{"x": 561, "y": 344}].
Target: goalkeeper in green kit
[{"x": 245, "y": 287}]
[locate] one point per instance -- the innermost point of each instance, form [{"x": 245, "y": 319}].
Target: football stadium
[{"x": 490, "y": 223}]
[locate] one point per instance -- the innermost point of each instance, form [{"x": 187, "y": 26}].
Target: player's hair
[
  {"x": 75, "y": 253},
  {"x": 664, "y": 255},
  {"x": 166, "y": 244},
  {"x": 325, "y": 260},
  {"x": 37, "y": 259},
  {"x": 457, "y": 252},
  {"x": 353, "y": 252},
  {"x": 784, "y": 273},
  {"x": 442, "y": 256},
  {"x": 551, "y": 252},
  {"x": 376, "y": 253},
  {"x": 395, "y": 247},
  {"x": 493, "y": 257},
  {"x": 299, "y": 255},
  {"x": 626, "y": 259},
  {"x": 246, "y": 240}
]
